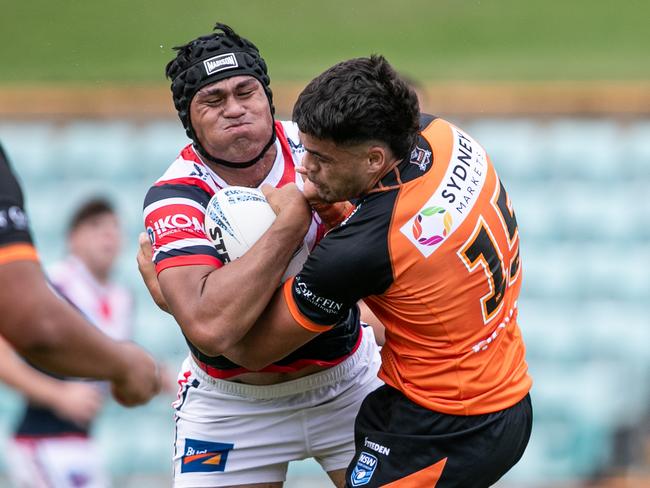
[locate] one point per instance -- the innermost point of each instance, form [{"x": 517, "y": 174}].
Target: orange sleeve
[
  {"x": 18, "y": 252},
  {"x": 295, "y": 312}
]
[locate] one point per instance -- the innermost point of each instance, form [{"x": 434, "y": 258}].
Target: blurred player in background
[
  {"x": 246, "y": 425},
  {"x": 433, "y": 247},
  {"x": 45, "y": 329},
  {"x": 51, "y": 446}
]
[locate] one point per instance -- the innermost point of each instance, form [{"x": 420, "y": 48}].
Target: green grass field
[{"x": 130, "y": 41}]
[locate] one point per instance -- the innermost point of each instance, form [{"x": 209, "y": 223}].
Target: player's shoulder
[
  {"x": 187, "y": 169},
  {"x": 439, "y": 132},
  {"x": 442, "y": 145},
  {"x": 187, "y": 177},
  {"x": 435, "y": 130}
]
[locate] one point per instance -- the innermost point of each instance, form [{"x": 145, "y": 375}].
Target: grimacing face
[
  {"x": 232, "y": 118},
  {"x": 338, "y": 172}
]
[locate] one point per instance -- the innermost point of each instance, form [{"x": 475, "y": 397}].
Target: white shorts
[
  {"x": 55, "y": 462},
  {"x": 230, "y": 433}
]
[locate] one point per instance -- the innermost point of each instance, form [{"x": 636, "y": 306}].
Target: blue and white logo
[
  {"x": 364, "y": 469},
  {"x": 204, "y": 456}
]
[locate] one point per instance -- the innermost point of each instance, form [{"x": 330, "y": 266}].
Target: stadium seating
[{"x": 580, "y": 192}]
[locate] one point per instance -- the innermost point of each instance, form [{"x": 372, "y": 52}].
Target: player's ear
[{"x": 376, "y": 159}]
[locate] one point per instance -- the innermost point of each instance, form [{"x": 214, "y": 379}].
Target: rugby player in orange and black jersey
[{"x": 433, "y": 250}]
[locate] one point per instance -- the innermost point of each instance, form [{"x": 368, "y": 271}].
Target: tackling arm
[
  {"x": 273, "y": 336},
  {"x": 276, "y": 334},
  {"x": 216, "y": 307},
  {"x": 51, "y": 334}
]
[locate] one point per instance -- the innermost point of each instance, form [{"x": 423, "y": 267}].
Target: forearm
[
  {"x": 273, "y": 336},
  {"x": 228, "y": 300},
  {"x": 34, "y": 385},
  {"x": 48, "y": 331},
  {"x": 73, "y": 347}
]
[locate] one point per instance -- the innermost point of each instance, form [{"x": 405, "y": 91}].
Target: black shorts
[{"x": 405, "y": 445}]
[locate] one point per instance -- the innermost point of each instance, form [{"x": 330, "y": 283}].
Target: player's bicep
[
  {"x": 182, "y": 287},
  {"x": 24, "y": 301}
]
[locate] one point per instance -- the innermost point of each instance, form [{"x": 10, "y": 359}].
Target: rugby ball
[{"x": 236, "y": 217}]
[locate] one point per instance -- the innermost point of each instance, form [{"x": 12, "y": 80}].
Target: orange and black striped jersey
[
  {"x": 15, "y": 239},
  {"x": 434, "y": 251}
]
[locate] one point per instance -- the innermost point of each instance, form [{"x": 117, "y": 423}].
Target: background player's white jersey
[{"x": 108, "y": 306}]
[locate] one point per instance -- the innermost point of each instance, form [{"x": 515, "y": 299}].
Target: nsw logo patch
[
  {"x": 362, "y": 472},
  {"x": 204, "y": 456}
]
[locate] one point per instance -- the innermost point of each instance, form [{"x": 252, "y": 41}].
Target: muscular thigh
[
  {"x": 228, "y": 440},
  {"x": 400, "y": 442}
]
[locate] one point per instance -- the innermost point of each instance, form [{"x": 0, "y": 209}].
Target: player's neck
[
  {"x": 99, "y": 274},
  {"x": 252, "y": 176}
]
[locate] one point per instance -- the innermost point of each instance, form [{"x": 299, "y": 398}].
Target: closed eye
[{"x": 212, "y": 101}]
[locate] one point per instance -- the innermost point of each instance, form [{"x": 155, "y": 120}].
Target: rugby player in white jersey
[
  {"x": 237, "y": 427},
  {"x": 52, "y": 444}
]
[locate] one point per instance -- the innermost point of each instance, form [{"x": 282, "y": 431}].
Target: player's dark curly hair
[{"x": 359, "y": 100}]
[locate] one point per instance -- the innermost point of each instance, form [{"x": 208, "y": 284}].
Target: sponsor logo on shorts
[
  {"x": 364, "y": 469},
  {"x": 220, "y": 63},
  {"x": 376, "y": 447},
  {"x": 204, "y": 456}
]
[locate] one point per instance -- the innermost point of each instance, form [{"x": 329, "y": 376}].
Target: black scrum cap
[{"x": 211, "y": 58}]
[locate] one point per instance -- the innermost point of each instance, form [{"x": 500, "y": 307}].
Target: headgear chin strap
[{"x": 211, "y": 58}]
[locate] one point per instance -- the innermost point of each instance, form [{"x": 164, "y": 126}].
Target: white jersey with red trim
[
  {"x": 175, "y": 206},
  {"x": 174, "y": 213},
  {"x": 107, "y": 305}
]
